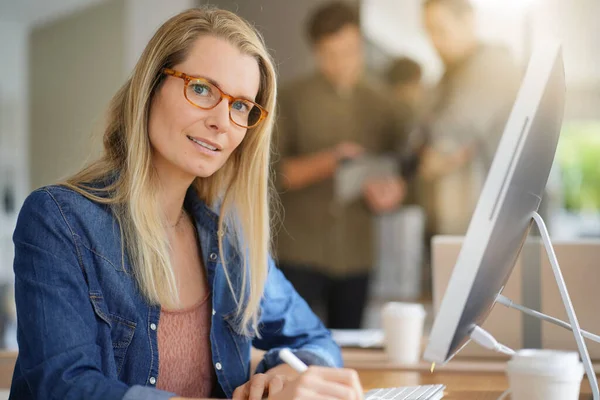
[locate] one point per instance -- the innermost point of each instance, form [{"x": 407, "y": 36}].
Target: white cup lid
[
  {"x": 560, "y": 364},
  {"x": 404, "y": 309}
]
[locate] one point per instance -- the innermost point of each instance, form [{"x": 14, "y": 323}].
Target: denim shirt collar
[{"x": 201, "y": 212}]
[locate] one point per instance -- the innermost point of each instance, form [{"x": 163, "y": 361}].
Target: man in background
[
  {"x": 404, "y": 77},
  {"x": 326, "y": 119},
  {"x": 473, "y": 102}
]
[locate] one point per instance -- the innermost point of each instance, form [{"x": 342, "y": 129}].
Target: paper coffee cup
[
  {"x": 545, "y": 375},
  {"x": 403, "y": 329}
]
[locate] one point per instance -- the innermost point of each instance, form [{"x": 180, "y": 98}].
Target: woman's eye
[
  {"x": 201, "y": 89},
  {"x": 241, "y": 106}
]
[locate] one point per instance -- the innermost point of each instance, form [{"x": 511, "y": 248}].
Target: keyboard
[{"x": 426, "y": 392}]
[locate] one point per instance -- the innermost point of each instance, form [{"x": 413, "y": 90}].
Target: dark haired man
[{"x": 332, "y": 116}]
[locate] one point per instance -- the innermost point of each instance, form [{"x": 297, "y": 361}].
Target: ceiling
[{"x": 34, "y": 12}]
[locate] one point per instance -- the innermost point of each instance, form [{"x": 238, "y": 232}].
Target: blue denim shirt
[{"x": 86, "y": 332}]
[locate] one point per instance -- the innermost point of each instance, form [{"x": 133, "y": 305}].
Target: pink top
[{"x": 185, "y": 359}]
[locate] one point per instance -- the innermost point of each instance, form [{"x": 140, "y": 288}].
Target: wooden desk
[
  {"x": 459, "y": 385},
  {"x": 376, "y": 372},
  {"x": 464, "y": 379},
  {"x": 7, "y": 366}
]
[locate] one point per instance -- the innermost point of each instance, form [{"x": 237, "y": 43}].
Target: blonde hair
[{"x": 240, "y": 188}]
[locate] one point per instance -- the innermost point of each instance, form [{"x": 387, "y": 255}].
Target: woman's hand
[
  {"x": 319, "y": 383},
  {"x": 259, "y": 385}
]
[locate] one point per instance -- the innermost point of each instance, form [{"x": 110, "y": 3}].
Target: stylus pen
[{"x": 293, "y": 361}]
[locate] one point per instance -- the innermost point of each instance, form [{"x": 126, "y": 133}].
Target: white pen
[{"x": 293, "y": 361}]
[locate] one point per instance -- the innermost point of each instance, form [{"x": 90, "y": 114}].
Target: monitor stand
[{"x": 574, "y": 323}]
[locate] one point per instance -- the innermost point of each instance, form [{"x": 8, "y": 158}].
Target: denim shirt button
[
  {"x": 214, "y": 312},
  {"x": 213, "y": 256},
  {"x": 218, "y": 366},
  {"x": 153, "y": 326},
  {"x": 152, "y": 380}
]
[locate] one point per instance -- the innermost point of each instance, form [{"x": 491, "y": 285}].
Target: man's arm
[
  {"x": 302, "y": 171},
  {"x": 296, "y": 170}
]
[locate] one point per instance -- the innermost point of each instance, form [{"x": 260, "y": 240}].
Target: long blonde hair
[{"x": 240, "y": 188}]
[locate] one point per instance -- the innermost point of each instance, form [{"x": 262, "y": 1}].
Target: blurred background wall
[{"x": 76, "y": 66}]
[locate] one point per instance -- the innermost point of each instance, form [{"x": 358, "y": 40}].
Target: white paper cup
[
  {"x": 545, "y": 375},
  {"x": 403, "y": 329}
]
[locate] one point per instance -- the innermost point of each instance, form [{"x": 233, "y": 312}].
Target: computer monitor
[{"x": 511, "y": 195}]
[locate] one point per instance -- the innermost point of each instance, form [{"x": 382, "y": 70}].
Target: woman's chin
[
  {"x": 203, "y": 171},
  {"x": 200, "y": 168}
]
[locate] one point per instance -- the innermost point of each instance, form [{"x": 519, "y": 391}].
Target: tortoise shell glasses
[{"x": 206, "y": 95}]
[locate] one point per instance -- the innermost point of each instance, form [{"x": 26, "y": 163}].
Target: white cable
[
  {"x": 505, "y": 301},
  {"x": 504, "y": 395},
  {"x": 485, "y": 339}
]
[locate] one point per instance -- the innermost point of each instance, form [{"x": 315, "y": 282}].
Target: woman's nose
[{"x": 219, "y": 117}]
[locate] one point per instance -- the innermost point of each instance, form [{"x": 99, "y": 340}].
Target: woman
[{"x": 147, "y": 275}]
